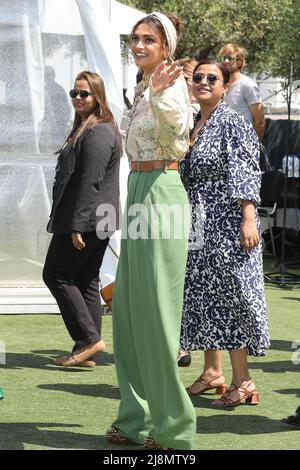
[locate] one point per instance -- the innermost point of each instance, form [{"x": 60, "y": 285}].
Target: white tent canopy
[{"x": 122, "y": 17}]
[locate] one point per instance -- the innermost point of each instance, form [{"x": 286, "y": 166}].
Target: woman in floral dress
[{"x": 224, "y": 303}]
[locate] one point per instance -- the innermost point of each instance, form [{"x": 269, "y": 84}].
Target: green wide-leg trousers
[{"x": 147, "y": 311}]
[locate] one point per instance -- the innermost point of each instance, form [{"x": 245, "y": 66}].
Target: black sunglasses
[
  {"x": 210, "y": 78},
  {"x": 82, "y": 93}
]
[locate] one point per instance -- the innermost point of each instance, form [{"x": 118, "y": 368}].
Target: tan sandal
[
  {"x": 62, "y": 360},
  {"x": 81, "y": 356}
]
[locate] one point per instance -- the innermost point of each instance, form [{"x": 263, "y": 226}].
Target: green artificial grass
[{"x": 50, "y": 407}]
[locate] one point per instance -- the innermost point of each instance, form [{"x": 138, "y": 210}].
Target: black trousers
[{"x": 72, "y": 277}]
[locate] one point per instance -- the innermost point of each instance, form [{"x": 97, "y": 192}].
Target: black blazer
[{"x": 87, "y": 176}]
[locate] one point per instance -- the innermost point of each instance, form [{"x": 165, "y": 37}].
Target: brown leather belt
[{"x": 150, "y": 165}]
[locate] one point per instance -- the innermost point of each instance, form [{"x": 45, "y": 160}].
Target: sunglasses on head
[
  {"x": 210, "y": 78},
  {"x": 82, "y": 93},
  {"x": 231, "y": 58}
]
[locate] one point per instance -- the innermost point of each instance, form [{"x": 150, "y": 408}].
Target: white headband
[{"x": 169, "y": 29}]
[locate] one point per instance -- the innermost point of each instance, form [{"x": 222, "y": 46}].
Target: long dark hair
[{"x": 101, "y": 113}]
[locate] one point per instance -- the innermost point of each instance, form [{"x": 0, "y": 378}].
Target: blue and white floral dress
[{"x": 224, "y": 302}]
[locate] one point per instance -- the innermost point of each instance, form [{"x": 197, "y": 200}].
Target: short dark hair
[{"x": 224, "y": 70}]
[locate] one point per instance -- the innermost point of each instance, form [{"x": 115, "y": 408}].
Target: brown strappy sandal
[
  {"x": 220, "y": 389},
  {"x": 251, "y": 398}
]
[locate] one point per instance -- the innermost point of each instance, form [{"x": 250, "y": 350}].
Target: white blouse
[{"x": 158, "y": 123}]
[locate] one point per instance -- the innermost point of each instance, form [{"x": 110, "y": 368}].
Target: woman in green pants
[{"x": 148, "y": 296}]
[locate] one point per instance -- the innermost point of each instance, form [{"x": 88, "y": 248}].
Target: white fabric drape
[
  {"x": 35, "y": 70},
  {"x": 22, "y": 75},
  {"x": 103, "y": 50}
]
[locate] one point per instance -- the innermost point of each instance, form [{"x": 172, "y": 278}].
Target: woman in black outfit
[{"x": 85, "y": 199}]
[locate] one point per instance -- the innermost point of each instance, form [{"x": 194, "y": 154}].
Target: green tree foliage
[
  {"x": 268, "y": 29},
  {"x": 287, "y": 43}
]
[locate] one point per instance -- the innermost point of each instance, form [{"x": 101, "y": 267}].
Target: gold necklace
[
  {"x": 140, "y": 94},
  {"x": 146, "y": 81}
]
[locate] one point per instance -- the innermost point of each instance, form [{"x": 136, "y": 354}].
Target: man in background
[{"x": 243, "y": 93}]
